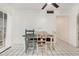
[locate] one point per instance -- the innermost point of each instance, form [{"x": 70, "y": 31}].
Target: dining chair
[
  {"x": 41, "y": 41},
  {"x": 30, "y": 42},
  {"x": 53, "y": 40}
]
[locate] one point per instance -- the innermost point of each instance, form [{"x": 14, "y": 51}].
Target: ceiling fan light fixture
[{"x": 50, "y": 11}]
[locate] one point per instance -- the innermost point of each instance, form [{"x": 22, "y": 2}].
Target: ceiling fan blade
[
  {"x": 55, "y": 5},
  {"x": 44, "y": 6}
]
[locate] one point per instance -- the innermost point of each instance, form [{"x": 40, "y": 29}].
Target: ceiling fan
[
  {"x": 53, "y": 4},
  {"x": 50, "y": 11}
]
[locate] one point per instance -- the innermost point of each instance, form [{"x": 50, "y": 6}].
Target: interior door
[
  {"x": 62, "y": 27},
  {"x": 1, "y": 28}
]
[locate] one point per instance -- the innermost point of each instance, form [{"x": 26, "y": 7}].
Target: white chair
[
  {"x": 41, "y": 41},
  {"x": 51, "y": 40},
  {"x": 54, "y": 40}
]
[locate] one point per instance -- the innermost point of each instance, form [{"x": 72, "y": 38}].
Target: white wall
[
  {"x": 72, "y": 14},
  {"x": 62, "y": 27},
  {"x": 74, "y": 30},
  {"x": 37, "y": 20}
]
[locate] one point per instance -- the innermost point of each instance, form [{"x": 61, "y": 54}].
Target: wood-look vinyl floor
[{"x": 61, "y": 49}]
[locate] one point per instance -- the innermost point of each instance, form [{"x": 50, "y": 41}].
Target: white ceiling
[{"x": 35, "y": 6}]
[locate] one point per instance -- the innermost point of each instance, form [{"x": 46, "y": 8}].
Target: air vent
[{"x": 50, "y": 12}]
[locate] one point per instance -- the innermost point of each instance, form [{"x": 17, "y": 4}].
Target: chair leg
[
  {"x": 53, "y": 46},
  {"x": 37, "y": 48},
  {"x": 46, "y": 49}
]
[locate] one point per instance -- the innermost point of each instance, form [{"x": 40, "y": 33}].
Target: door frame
[{"x": 78, "y": 30}]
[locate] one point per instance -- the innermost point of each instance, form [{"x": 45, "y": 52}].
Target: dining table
[{"x": 34, "y": 39}]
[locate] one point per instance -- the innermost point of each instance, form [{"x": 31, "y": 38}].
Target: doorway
[{"x": 62, "y": 28}]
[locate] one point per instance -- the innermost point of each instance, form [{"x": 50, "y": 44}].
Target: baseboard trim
[
  {"x": 66, "y": 42},
  {"x": 5, "y": 49}
]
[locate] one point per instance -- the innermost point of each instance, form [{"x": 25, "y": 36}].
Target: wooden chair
[
  {"x": 41, "y": 41},
  {"x": 29, "y": 42},
  {"x": 51, "y": 40}
]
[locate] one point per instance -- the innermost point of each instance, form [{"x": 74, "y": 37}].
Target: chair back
[{"x": 29, "y": 32}]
